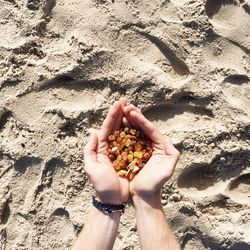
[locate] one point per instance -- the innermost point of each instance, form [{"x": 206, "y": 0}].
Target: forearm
[
  {"x": 99, "y": 232},
  {"x": 153, "y": 229}
]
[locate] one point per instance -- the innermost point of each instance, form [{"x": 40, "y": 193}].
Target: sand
[{"x": 185, "y": 63}]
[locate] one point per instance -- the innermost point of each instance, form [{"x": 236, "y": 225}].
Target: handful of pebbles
[{"x": 129, "y": 150}]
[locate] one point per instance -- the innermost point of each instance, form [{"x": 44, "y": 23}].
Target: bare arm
[
  {"x": 153, "y": 229},
  {"x": 101, "y": 228},
  {"x": 99, "y": 232}
]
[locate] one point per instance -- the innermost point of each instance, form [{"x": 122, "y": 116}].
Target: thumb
[
  {"x": 170, "y": 148},
  {"x": 90, "y": 150}
]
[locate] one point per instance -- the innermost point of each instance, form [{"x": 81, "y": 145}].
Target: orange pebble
[{"x": 128, "y": 150}]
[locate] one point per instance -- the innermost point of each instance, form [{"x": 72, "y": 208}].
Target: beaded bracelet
[{"x": 108, "y": 208}]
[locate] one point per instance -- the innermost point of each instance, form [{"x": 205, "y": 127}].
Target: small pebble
[
  {"x": 176, "y": 197},
  {"x": 222, "y": 159}
]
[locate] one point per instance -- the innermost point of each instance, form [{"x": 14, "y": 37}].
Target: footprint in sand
[
  {"x": 239, "y": 189},
  {"x": 157, "y": 52},
  {"x": 71, "y": 98},
  {"x": 54, "y": 175},
  {"x": 220, "y": 53},
  {"x": 53, "y": 182},
  {"x": 231, "y": 19},
  {"x": 25, "y": 235},
  {"x": 58, "y": 228},
  {"x": 22, "y": 184},
  {"x": 199, "y": 180},
  {"x": 194, "y": 238},
  {"x": 176, "y": 116},
  {"x": 237, "y": 90},
  {"x": 178, "y": 68},
  {"x": 26, "y": 170}
]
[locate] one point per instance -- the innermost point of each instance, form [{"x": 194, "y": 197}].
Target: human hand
[
  {"x": 109, "y": 187},
  {"x": 160, "y": 167}
]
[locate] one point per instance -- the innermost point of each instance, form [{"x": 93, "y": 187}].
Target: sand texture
[{"x": 185, "y": 63}]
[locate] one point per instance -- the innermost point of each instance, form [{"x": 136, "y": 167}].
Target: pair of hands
[{"x": 111, "y": 188}]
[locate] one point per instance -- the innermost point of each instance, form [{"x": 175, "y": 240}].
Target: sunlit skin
[
  {"x": 100, "y": 230},
  {"x": 109, "y": 187},
  {"x": 161, "y": 165},
  {"x": 154, "y": 174}
]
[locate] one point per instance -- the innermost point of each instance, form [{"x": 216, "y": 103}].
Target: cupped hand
[
  {"x": 109, "y": 187},
  {"x": 160, "y": 167}
]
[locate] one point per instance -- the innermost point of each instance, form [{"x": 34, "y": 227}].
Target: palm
[
  {"x": 154, "y": 174},
  {"x": 108, "y": 183},
  {"x": 160, "y": 166},
  {"x": 109, "y": 187}
]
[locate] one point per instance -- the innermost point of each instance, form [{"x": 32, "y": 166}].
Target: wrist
[
  {"x": 108, "y": 207},
  {"x": 109, "y": 200},
  {"x": 152, "y": 200},
  {"x": 98, "y": 213}
]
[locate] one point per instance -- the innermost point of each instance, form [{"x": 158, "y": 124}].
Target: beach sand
[{"x": 185, "y": 63}]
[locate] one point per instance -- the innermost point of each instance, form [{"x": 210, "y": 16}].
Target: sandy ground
[{"x": 63, "y": 63}]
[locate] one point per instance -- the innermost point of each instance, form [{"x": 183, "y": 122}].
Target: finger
[
  {"x": 125, "y": 122},
  {"x": 129, "y": 118},
  {"x": 124, "y": 183},
  {"x": 123, "y": 103},
  {"x": 133, "y": 107},
  {"x": 90, "y": 151},
  {"x": 109, "y": 122},
  {"x": 148, "y": 127},
  {"x": 170, "y": 148}
]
